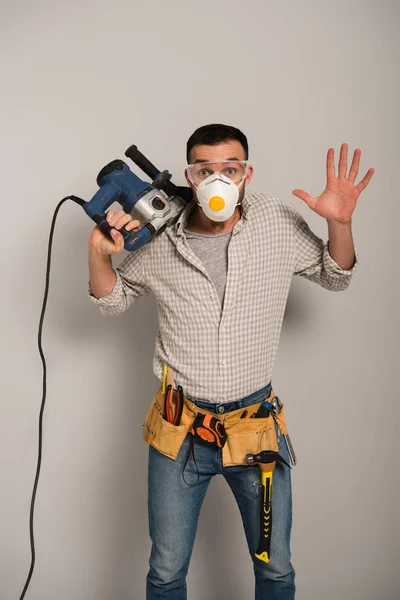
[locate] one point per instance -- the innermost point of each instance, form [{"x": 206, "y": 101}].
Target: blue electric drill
[{"x": 155, "y": 205}]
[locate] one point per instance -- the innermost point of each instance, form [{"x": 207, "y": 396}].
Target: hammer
[{"x": 266, "y": 460}]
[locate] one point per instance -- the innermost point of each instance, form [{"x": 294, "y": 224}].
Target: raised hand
[{"x": 338, "y": 201}]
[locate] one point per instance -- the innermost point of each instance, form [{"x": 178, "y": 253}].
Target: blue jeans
[{"x": 174, "y": 509}]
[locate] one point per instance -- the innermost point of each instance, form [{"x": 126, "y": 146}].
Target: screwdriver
[{"x": 264, "y": 410}]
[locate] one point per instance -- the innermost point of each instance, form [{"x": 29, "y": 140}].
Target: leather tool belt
[{"x": 243, "y": 436}]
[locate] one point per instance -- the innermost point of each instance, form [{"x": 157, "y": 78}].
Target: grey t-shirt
[{"x": 212, "y": 250}]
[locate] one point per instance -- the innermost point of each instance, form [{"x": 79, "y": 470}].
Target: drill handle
[
  {"x": 142, "y": 162},
  {"x": 96, "y": 209},
  {"x": 133, "y": 240},
  {"x": 161, "y": 179}
]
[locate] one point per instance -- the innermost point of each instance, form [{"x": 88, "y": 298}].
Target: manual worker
[{"x": 221, "y": 275}]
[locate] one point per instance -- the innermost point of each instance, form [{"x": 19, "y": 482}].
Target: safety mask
[{"x": 218, "y": 195}]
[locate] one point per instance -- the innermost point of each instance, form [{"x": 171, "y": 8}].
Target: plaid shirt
[{"x": 223, "y": 355}]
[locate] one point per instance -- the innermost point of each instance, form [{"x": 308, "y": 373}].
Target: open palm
[{"x": 339, "y": 198}]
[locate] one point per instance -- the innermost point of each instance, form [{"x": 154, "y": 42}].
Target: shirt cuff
[
  {"x": 333, "y": 268},
  {"x": 112, "y": 298}
]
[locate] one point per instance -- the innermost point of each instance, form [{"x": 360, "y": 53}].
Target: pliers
[
  {"x": 175, "y": 416},
  {"x": 179, "y": 407}
]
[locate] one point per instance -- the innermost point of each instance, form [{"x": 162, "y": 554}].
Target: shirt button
[
  {"x": 220, "y": 409},
  {"x": 222, "y": 362}
]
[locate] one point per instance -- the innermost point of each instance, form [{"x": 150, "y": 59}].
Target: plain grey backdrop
[{"x": 81, "y": 81}]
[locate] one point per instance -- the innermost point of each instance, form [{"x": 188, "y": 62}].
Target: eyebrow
[{"x": 201, "y": 160}]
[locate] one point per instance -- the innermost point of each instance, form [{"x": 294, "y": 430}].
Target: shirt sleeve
[
  {"x": 130, "y": 284},
  {"x": 313, "y": 260}
]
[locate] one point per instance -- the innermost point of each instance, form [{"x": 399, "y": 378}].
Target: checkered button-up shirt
[{"x": 223, "y": 354}]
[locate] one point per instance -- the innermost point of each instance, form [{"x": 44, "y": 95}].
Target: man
[{"x": 221, "y": 275}]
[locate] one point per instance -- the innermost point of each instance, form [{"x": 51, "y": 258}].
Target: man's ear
[
  {"x": 250, "y": 172},
  {"x": 190, "y": 183}
]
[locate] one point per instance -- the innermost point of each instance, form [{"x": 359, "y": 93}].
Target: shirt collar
[{"x": 180, "y": 224}]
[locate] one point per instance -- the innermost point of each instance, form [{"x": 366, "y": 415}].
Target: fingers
[
  {"x": 132, "y": 225},
  {"x": 330, "y": 165},
  {"x": 343, "y": 161},
  {"x": 121, "y": 219},
  {"x": 366, "y": 179},
  {"x": 109, "y": 214},
  {"x": 114, "y": 218},
  {"x": 354, "y": 165}
]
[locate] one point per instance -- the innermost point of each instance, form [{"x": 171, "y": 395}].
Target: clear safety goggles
[{"x": 235, "y": 170}]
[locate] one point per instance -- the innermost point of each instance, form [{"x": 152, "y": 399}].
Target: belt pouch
[
  {"x": 166, "y": 437},
  {"x": 250, "y": 436}
]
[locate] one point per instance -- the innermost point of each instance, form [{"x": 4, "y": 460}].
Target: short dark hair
[{"x": 214, "y": 134}]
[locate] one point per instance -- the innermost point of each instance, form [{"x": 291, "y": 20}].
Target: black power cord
[{"x": 39, "y": 460}]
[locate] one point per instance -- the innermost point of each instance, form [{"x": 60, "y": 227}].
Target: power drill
[{"x": 155, "y": 205}]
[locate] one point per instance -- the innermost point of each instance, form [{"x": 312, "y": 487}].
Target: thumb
[
  {"x": 309, "y": 200},
  {"x": 117, "y": 237}
]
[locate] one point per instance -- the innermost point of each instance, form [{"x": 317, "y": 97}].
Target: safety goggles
[{"x": 233, "y": 169}]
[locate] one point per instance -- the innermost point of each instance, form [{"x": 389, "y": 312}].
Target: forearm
[
  {"x": 101, "y": 274},
  {"x": 341, "y": 246}
]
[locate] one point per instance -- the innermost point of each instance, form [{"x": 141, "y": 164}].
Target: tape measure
[{"x": 209, "y": 429}]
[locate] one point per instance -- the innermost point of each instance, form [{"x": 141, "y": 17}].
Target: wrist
[{"x": 341, "y": 224}]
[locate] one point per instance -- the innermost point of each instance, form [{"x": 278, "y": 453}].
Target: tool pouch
[
  {"x": 243, "y": 436},
  {"x": 164, "y": 436},
  {"x": 250, "y": 436}
]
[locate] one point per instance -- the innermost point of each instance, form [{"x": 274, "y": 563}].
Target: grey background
[{"x": 81, "y": 81}]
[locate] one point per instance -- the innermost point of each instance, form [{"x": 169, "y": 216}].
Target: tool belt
[
  {"x": 243, "y": 435},
  {"x": 242, "y": 439}
]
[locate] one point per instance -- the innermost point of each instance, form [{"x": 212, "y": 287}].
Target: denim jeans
[{"x": 174, "y": 509}]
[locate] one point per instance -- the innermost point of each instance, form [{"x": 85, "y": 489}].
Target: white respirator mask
[{"x": 217, "y": 196}]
